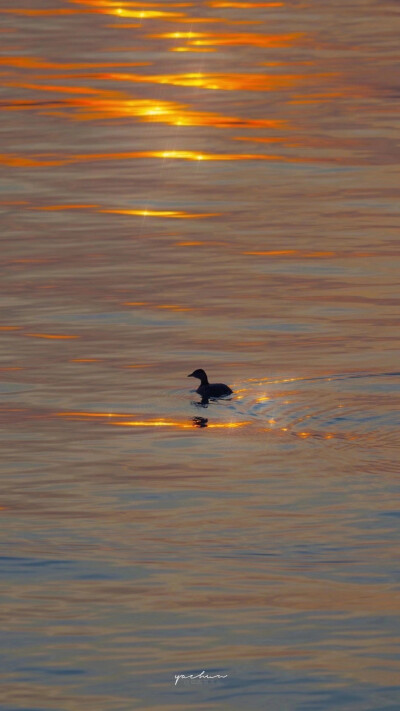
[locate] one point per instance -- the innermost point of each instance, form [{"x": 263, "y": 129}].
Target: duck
[{"x": 207, "y": 389}]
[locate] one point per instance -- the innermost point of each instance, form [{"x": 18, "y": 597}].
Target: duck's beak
[{"x": 191, "y": 375}]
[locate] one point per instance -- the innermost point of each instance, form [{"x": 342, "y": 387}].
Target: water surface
[{"x": 187, "y": 185}]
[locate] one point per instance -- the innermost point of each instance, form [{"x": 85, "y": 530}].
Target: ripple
[{"x": 329, "y": 407}]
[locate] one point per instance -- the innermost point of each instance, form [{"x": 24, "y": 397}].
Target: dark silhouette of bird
[{"x": 206, "y": 389}]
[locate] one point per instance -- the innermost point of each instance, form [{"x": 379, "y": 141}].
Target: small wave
[{"x": 344, "y": 407}]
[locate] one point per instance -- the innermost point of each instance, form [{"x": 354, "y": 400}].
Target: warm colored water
[{"x": 200, "y": 185}]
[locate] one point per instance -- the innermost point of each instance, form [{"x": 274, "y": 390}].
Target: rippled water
[{"x": 184, "y": 185}]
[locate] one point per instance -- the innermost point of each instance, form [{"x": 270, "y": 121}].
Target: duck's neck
[{"x": 204, "y": 380}]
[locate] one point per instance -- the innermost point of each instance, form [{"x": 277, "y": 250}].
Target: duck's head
[{"x": 200, "y": 374}]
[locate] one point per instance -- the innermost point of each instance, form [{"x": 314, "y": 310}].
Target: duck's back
[{"x": 214, "y": 390}]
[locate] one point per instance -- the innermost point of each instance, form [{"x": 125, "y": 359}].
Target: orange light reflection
[
  {"x": 191, "y": 49},
  {"x": 142, "y": 14},
  {"x": 178, "y": 425},
  {"x": 46, "y": 13},
  {"x": 137, "y": 366},
  {"x": 127, "y": 3},
  {"x": 175, "y": 214},
  {"x": 211, "y": 21},
  {"x": 84, "y": 360},
  {"x": 50, "y": 336},
  {"x": 36, "y": 63},
  {"x": 148, "y": 423},
  {"x": 173, "y": 307},
  {"x": 225, "y": 82},
  {"x": 103, "y": 8},
  {"x": 112, "y": 105},
  {"x": 130, "y": 3},
  {"x": 252, "y": 39},
  {"x": 39, "y": 161}
]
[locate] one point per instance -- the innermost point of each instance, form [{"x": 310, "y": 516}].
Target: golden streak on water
[
  {"x": 36, "y": 63},
  {"x": 92, "y": 104},
  {"x": 283, "y": 380},
  {"x": 142, "y": 14},
  {"x": 209, "y": 21},
  {"x": 39, "y": 161},
  {"x": 191, "y": 49},
  {"x": 91, "y": 414},
  {"x": 43, "y": 160},
  {"x": 182, "y": 35},
  {"x": 171, "y": 307},
  {"x": 85, "y": 360},
  {"x": 137, "y": 366},
  {"x": 131, "y": 3},
  {"x": 51, "y": 336},
  {"x": 179, "y": 425},
  {"x": 148, "y": 423},
  {"x": 252, "y": 39},
  {"x": 175, "y": 214},
  {"x": 190, "y": 244},
  {"x": 225, "y": 82},
  {"x": 43, "y": 13}
]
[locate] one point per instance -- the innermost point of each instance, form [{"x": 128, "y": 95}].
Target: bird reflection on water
[
  {"x": 203, "y": 402},
  {"x": 200, "y": 421}
]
